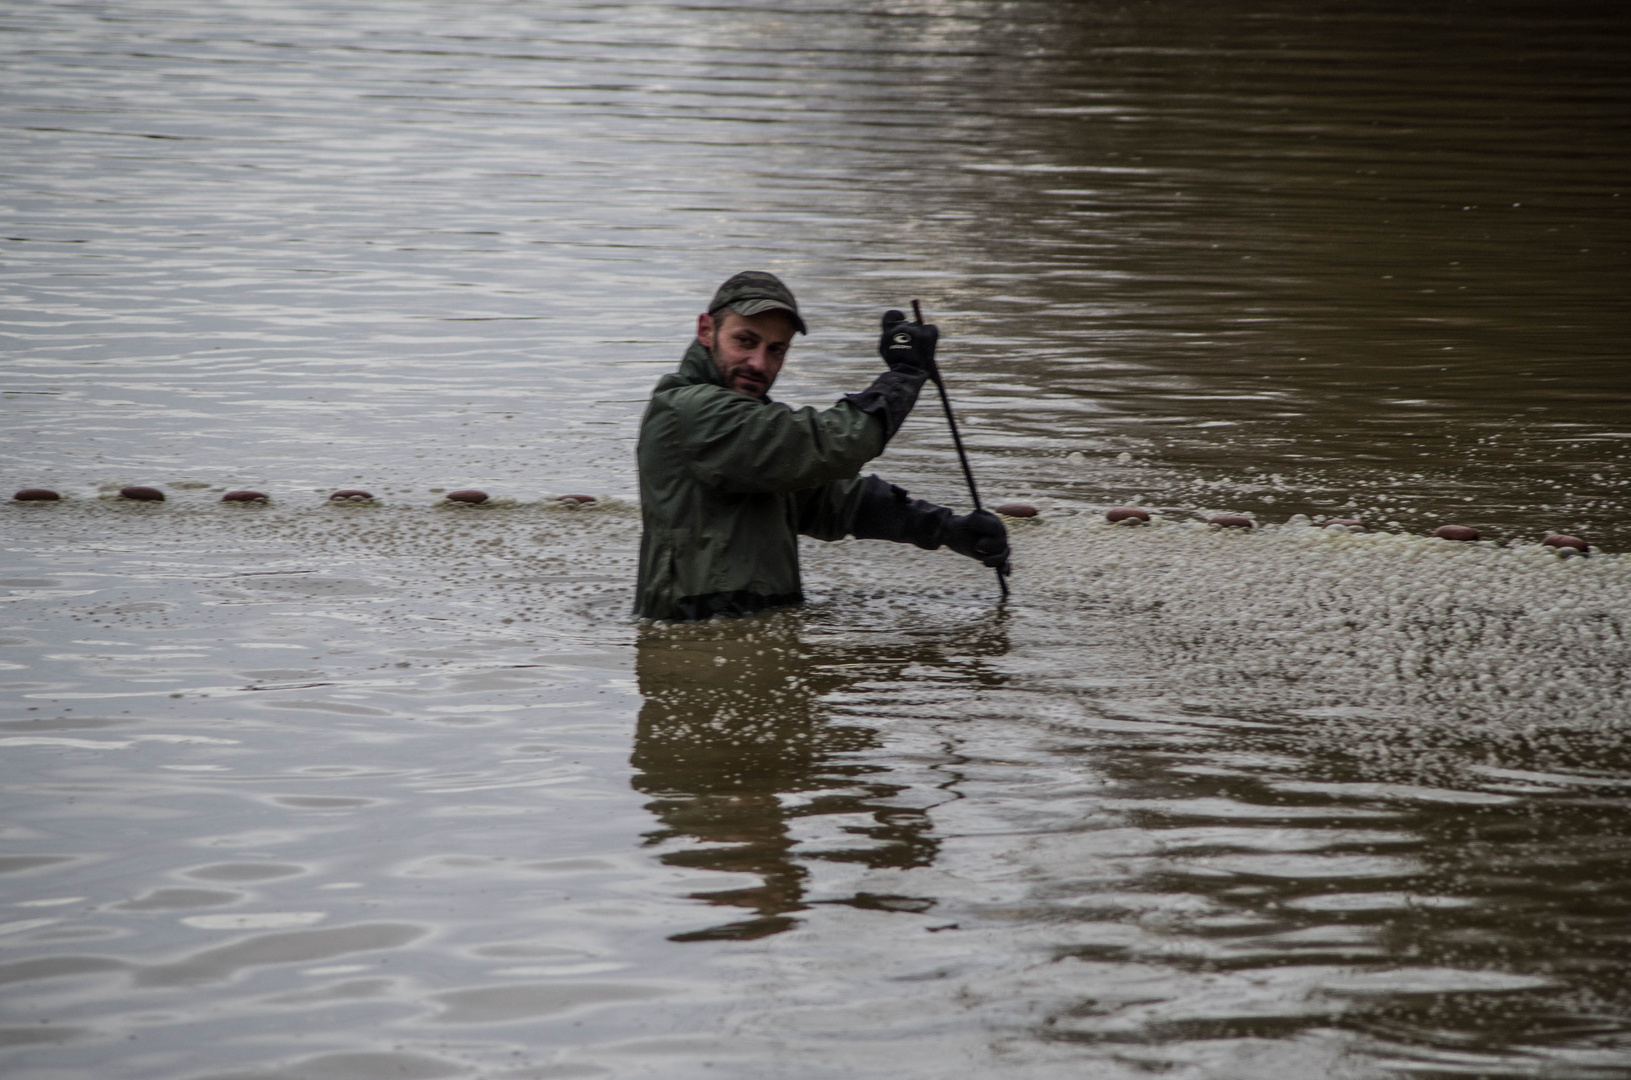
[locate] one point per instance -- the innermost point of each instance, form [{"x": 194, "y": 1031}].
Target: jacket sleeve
[
  {"x": 737, "y": 444},
  {"x": 829, "y": 512},
  {"x": 890, "y": 397},
  {"x": 886, "y": 512}
]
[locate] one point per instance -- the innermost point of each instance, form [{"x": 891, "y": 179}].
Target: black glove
[
  {"x": 980, "y": 535},
  {"x": 907, "y": 344}
]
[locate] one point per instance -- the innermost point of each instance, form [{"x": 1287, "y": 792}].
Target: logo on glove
[{"x": 903, "y": 339}]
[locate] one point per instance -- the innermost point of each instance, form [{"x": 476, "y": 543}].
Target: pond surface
[{"x": 315, "y": 791}]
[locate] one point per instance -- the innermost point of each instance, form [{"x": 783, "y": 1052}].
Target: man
[{"x": 729, "y": 478}]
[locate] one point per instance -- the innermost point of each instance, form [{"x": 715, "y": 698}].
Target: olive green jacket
[{"x": 729, "y": 481}]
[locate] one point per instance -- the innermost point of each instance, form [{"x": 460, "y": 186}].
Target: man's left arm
[
  {"x": 870, "y": 508},
  {"x": 828, "y": 512}
]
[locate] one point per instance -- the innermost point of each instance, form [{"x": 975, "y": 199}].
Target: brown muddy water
[{"x": 400, "y": 790}]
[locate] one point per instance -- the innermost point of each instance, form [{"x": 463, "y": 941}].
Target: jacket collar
[{"x": 696, "y": 369}]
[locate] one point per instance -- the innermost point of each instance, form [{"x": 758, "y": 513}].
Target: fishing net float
[{"x": 1563, "y": 544}]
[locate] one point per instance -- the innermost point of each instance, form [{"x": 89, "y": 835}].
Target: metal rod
[{"x": 957, "y": 441}]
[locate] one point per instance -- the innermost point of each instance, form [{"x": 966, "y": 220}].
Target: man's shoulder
[{"x": 699, "y": 397}]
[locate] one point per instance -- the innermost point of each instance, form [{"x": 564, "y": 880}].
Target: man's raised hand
[{"x": 908, "y": 345}]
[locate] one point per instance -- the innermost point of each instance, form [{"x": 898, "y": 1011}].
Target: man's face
[{"x": 748, "y": 350}]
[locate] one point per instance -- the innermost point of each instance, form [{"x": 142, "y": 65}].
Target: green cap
[{"x": 754, "y": 291}]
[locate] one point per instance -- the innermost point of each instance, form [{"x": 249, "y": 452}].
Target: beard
[{"x": 753, "y": 386}]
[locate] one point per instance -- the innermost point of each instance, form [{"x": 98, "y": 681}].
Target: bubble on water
[
  {"x": 244, "y": 871},
  {"x": 524, "y": 1001},
  {"x": 356, "y": 1065},
  {"x": 290, "y": 947},
  {"x": 173, "y": 899},
  {"x": 257, "y": 920}
]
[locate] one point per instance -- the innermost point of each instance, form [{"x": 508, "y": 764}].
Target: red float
[
  {"x": 141, "y": 494},
  {"x": 468, "y": 495},
  {"x": 1015, "y": 509},
  {"x": 244, "y": 497},
  {"x": 350, "y": 495},
  {"x": 1231, "y": 521},
  {"x": 36, "y": 495},
  {"x": 1559, "y": 540},
  {"x": 1127, "y": 513},
  {"x": 1456, "y": 532},
  {"x": 574, "y": 500}
]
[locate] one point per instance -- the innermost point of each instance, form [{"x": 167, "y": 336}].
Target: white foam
[{"x": 1373, "y": 631}]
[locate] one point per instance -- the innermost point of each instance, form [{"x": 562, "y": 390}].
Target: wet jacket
[{"x": 729, "y": 481}]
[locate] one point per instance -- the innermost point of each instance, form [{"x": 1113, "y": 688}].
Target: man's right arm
[
  {"x": 890, "y": 397},
  {"x": 735, "y": 443},
  {"x": 908, "y": 350},
  {"x": 740, "y": 444}
]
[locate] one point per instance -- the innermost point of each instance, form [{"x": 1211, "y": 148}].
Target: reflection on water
[
  {"x": 734, "y": 742},
  {"x": 738, "y": 744}
]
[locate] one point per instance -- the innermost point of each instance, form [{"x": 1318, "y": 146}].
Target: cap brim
[{"x": 746, "y": 308}]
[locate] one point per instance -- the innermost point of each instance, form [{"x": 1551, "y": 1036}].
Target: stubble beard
[{"x": 756, "y": 390}]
